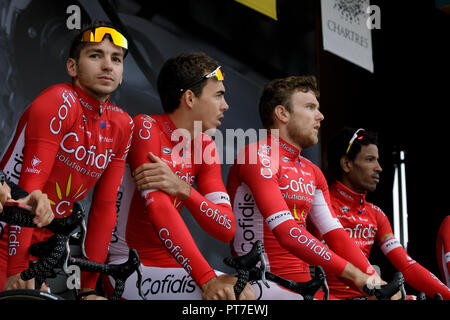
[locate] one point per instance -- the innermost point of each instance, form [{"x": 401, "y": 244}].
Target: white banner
[{"x": 346, "y": 27}]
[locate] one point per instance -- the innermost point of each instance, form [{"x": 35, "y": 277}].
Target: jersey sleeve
[
  {"x": 260, "y": 175},
  {"x": 166, "y": 220},
  {"x": 443, "y": 250},
  {"x": 210, "y": 206},
  {"x": 102, "y": 213},
  {"x": 324, "y": 219},
  {"x": 415, "y": 274},
  {"x": 49, "y": 117}
]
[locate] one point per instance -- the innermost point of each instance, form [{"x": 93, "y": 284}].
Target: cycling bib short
[{"x": 176, "y": 284}]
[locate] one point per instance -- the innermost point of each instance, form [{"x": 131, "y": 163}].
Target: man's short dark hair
[
  {"x": 338, "y": 145},
  {"x": 77, "y": 45},
  {"x": 180, "y": 71},
  {"x": 280, "y": 91}
]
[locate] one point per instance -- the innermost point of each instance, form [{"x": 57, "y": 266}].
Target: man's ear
[
  {"x": 187, "y": 99},
  {"x": 72, "y": 69},
  {"x": 281, "y": 113},
  {"x": 346, "y": 164}
]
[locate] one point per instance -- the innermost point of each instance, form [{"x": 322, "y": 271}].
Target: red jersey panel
[
  {"x": 150, "y": 222},
  {"x": 367, "y": 224},
  {"x": 274, "y": 191},
  {"x": 443, "y": 250},
  {"x": 65, "y": 142}
]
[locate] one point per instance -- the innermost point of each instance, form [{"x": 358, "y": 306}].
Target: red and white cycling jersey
[
  {"x": 443, "y": 250},
  {"x": 150, "y": 222},
  {"x": 65, "y": 142},
  {"x": 274, "y": 191},
  {"x": 366, "y": 225}
]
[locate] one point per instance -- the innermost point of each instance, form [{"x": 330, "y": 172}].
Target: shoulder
[
  {"x": 376, "y": 209},
  {"x": 446, "y": 222},
  {"x": 57, "y": 96},
  {"x": 145, "y": 126},
  {"x": 118, "y": 115},
  {"x": 146, "y": 121},
  {"x": 309, "y": 166}
]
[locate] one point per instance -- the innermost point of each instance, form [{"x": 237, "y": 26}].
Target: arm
[
  {"x": 415, "y": 275},
  {"x": 324, "y": 219},
  {"x": 292, "y": 236},
  {"x": 43, "y": 132},
  {"x": 5, "y": 191},
  {"x": 167, "y": 222},
  {"x": 443, "y": 250},
  {"x": 263, "y": 182},
  {"x": 37, "y": 200},
  {"x": 210, "y": 206},
  {"x": 102, "y": 214}
]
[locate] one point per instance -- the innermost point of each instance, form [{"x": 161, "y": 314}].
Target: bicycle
[
  {"x": 248, "y": 270},
  {"x": 55, "y": 253}
]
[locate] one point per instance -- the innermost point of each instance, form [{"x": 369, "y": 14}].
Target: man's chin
[{"x": 210, "y": 131}]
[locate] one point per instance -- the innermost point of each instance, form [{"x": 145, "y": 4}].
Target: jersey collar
[
  {"x": 167, "y": 125},
  {"x": 286, "y": 149},
  {"x": 346, "y": 195},
  {"x": 88, "y": 102}
]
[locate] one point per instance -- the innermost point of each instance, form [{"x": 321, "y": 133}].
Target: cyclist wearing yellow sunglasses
[{"x": 72, "y": 138}]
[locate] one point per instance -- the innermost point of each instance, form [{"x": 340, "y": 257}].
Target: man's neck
[
  {"x": 348, "y": 183},
  {"x": 282, "y": 134},
  {"x": 100, "y": 97},
  {"x": 181, "y": 120}
]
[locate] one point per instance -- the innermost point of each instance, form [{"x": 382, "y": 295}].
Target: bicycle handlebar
[
  {"x": 18, "y": 215},
  {"x": 247, "y": 271},
  {"x": 56, "y": 250},
  {"x": 385, "y": 292},
  {"x": 243, "y": 265},
  {"x": 119, "y": 272}
]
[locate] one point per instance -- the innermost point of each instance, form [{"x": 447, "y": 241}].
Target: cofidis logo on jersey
[
  {"x": 63, "y": 111},
  {"x": 310, "y": 243},
  {"x": 174, "y": 249},
  {"x": 64, "y": 197},
  {"x": 215, "y": 215}
]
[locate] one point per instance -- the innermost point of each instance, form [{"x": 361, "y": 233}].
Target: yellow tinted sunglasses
[
  {"x": 218, "y": 74},
  {"x": 97, "y": 35}
]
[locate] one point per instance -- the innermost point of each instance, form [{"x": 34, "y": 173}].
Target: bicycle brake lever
[
  {"x": 83, "y": 237},
  {"x": 263, "y": 269},
  {"x": 139, "y": 282},
  {"x": 66, "y": 259}
]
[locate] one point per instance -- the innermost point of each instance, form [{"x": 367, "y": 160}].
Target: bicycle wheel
[{"x": 27, "y": 294}]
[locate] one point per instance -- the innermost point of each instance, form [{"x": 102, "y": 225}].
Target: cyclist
[
  {"x": 69, "y": 139},
  {"x": 167, "y": 156},
  {"x": 443, "y": 250},
  {"x": 353, "y": 163},
  {"x": 274, "y": 190}
]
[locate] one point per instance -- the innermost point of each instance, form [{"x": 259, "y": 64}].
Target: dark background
[{"x": 404, "y": 100}]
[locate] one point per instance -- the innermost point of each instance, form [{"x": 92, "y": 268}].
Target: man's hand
[
  {"x": 15, "y": 282},
  {"x": 158, "y": 175},
  {"x": 222, "y": 288},
  {"x": 5, "y": 194},
  {"x": 41, "y": 207}
]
